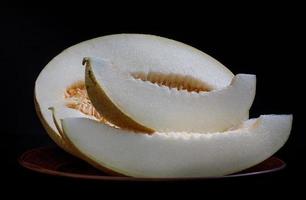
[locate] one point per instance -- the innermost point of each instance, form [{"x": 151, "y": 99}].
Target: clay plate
[{"x": 54, "y": 161}]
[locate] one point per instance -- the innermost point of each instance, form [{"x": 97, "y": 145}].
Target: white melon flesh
[
  {"x": 129, "y": 51},
  {"x": 162, "y": 108},
  {"x": 178, "y": 154}
]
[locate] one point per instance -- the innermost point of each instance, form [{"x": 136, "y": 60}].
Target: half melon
[{"x": 61, "y": 83}]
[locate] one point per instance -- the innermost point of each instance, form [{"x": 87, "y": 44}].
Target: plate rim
[{"x": 39, "y": 169}]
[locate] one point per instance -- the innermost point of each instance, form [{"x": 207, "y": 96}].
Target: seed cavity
[
  {"x": 78, "y": 99},
  {"x": 176, "y": 81}
]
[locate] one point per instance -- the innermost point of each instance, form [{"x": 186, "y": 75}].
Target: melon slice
[
  {"x": 156, "y": 101},
  {"x": 61, "y": 83},
  {"x": 177, "y": 154}
]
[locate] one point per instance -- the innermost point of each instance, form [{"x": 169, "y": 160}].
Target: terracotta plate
[{"x": 54, "y": 161}]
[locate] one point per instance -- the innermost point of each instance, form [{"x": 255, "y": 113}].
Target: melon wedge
[
  {"x": 177, "y": 154},
  {"x": 129, "y": 51},
  {"x": 166, "y": 102}
]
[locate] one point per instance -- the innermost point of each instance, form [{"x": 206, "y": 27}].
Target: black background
[{"x": 265, "y": 41}]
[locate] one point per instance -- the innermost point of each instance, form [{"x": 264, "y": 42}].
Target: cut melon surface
[
  {"x": 166, "y": 102},
  {"x": 177, "y": 154}
]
